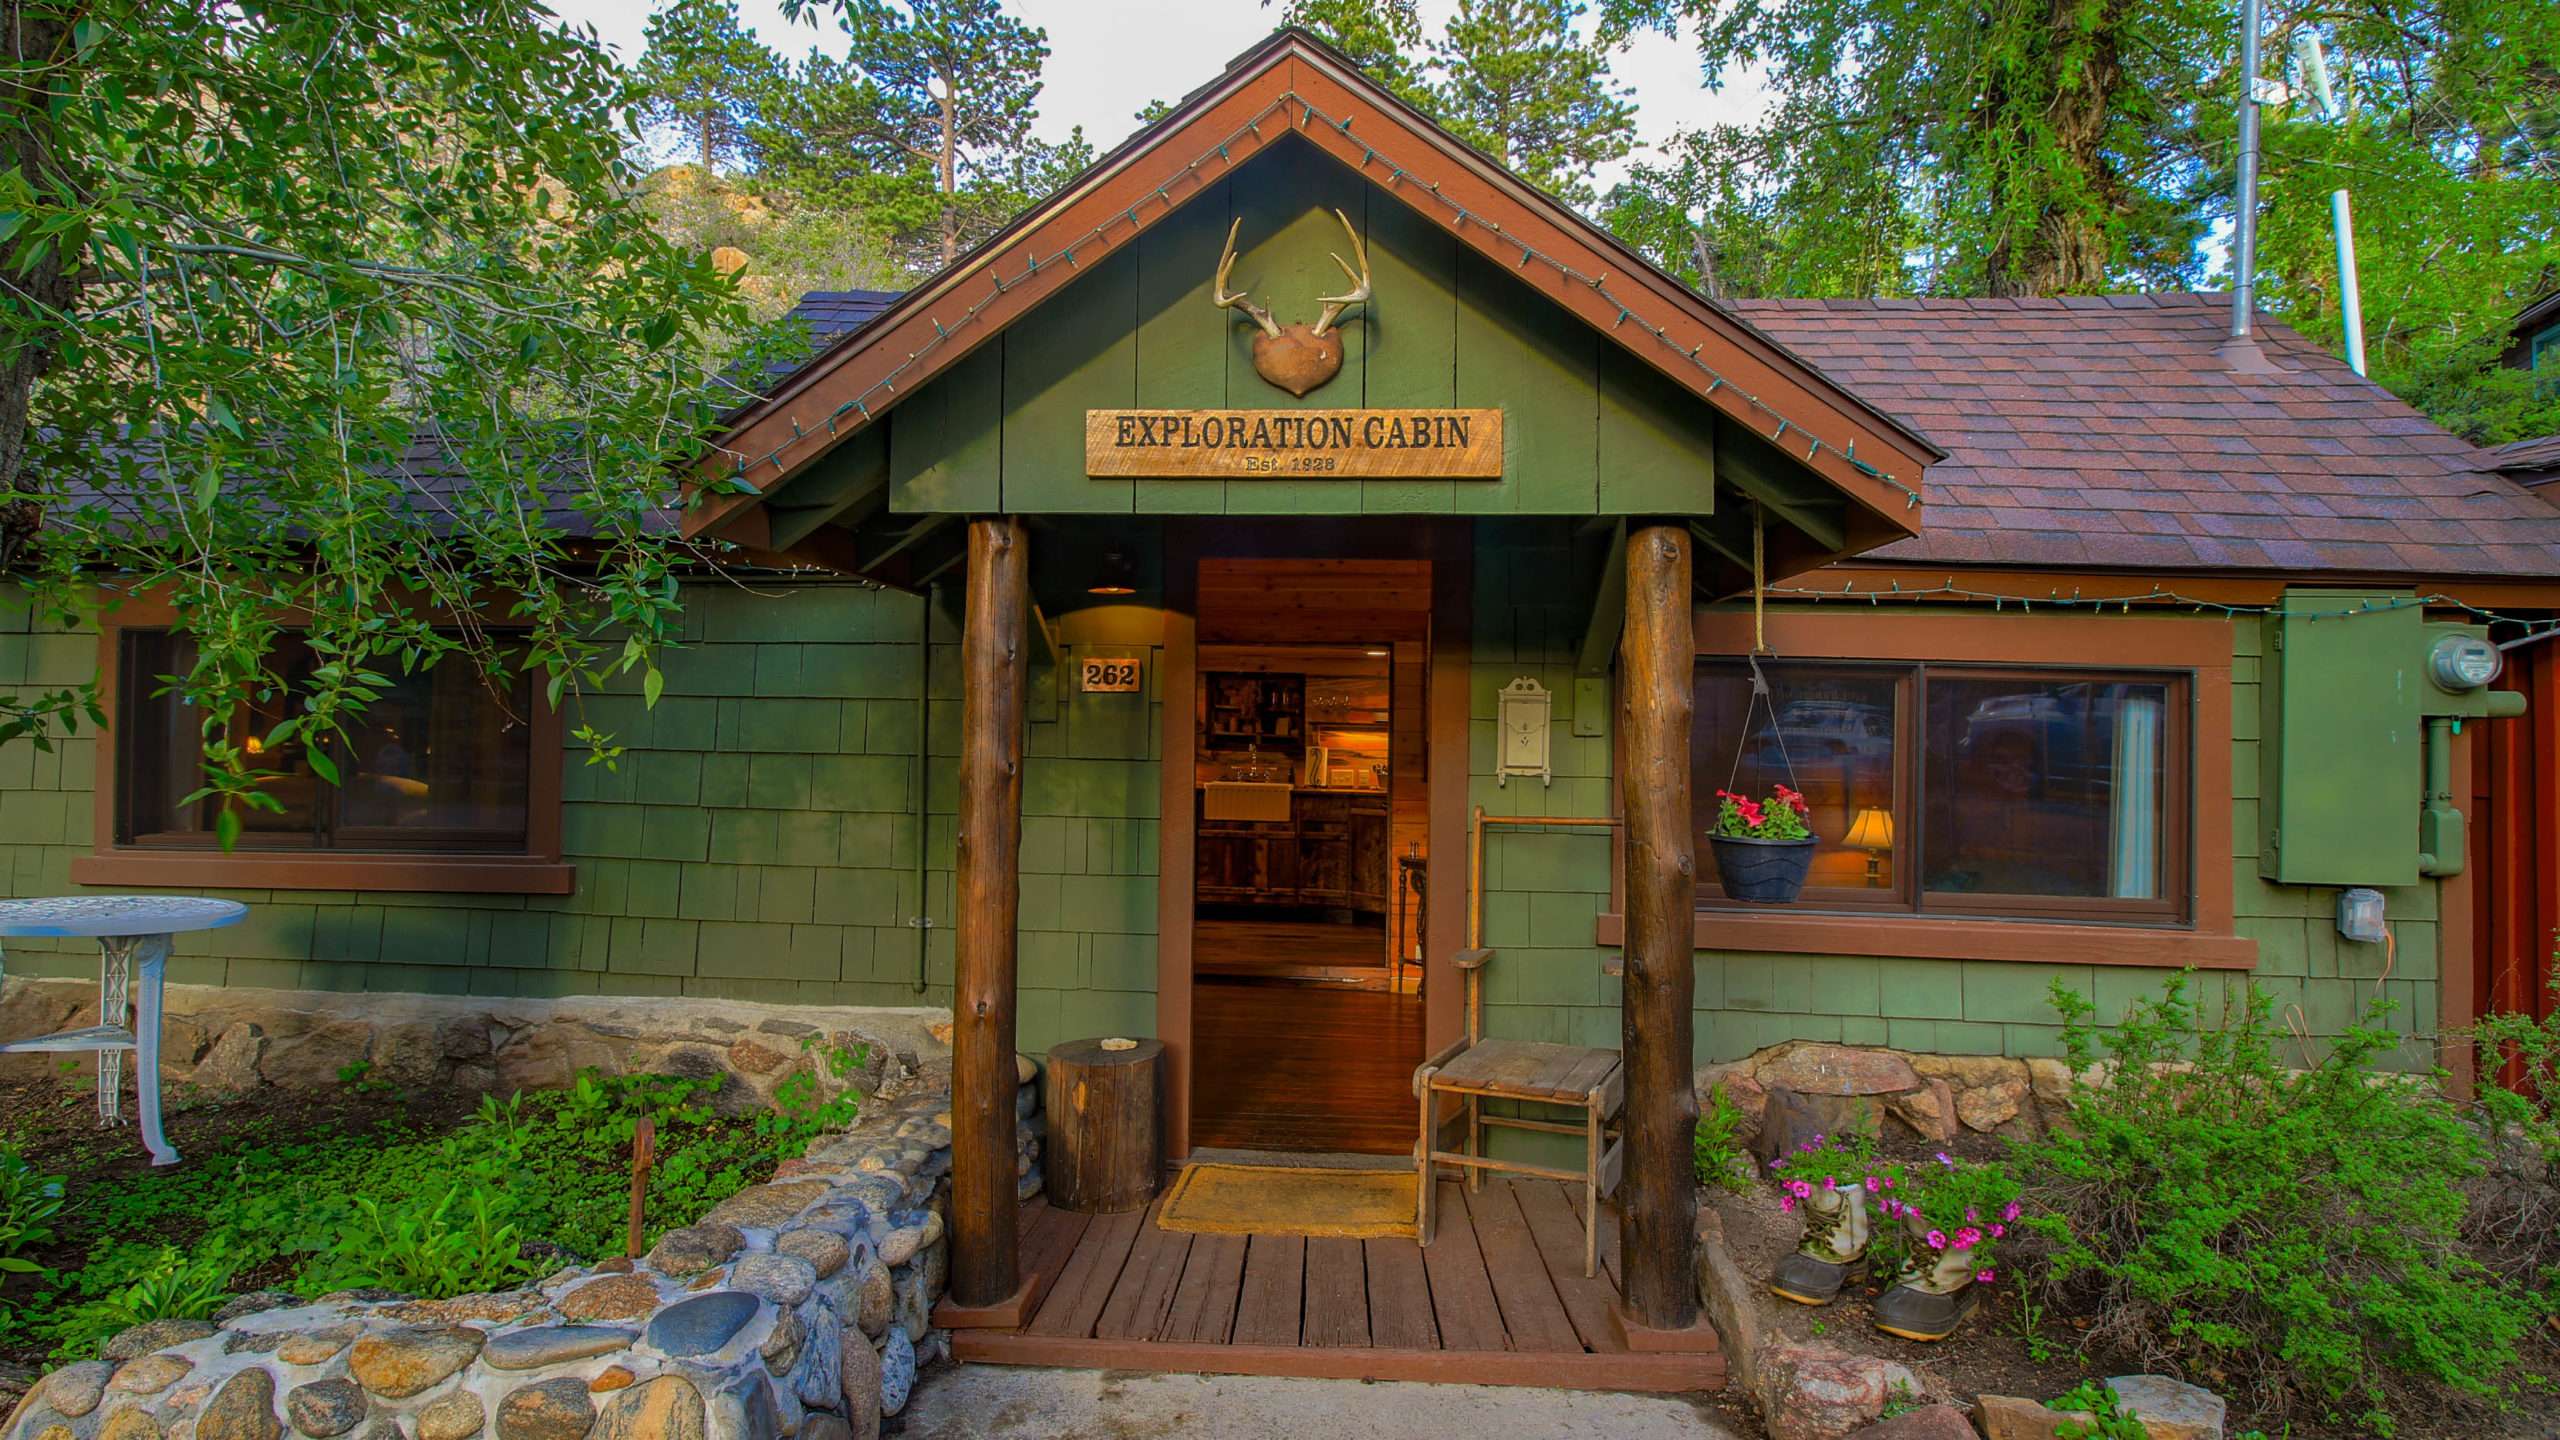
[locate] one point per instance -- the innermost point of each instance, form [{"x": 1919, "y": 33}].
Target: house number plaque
[
  {"x": 1295, "y": 444},
  {"x": 1110, "y": 675}
]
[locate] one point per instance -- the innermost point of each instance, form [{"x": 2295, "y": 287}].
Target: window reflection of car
[
  {"x": 1827, "y": 729},
  {"x": 2039, "y": 741}
]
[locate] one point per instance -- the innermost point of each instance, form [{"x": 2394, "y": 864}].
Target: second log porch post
[
  {"x": 1658, "y": 1201},
  {"x": 986, "y": 901}
]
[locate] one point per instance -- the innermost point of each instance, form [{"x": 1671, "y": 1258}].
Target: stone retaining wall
[
  {"x": 231, "y": 1041},
  {"x": 800, "y": 1307},
  {"x": 1936, "y": 1097}
]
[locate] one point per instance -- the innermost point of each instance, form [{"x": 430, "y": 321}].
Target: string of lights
[
  {"x": 2157, "y": 596},
  {"x": 1309, "y": 114}
]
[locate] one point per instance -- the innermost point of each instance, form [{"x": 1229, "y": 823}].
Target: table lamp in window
[{"x": 1872, "y": 832}]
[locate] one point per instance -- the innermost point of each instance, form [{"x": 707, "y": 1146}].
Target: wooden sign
[
  {"x": 1295, "y": 444},
  {"x": 1110, "y": 674}
]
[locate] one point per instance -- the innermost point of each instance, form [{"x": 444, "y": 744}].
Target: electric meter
[{"x": 2463, "y": 662}]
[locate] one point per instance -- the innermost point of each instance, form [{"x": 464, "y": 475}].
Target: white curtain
[{"x": 2133, "y": 859}]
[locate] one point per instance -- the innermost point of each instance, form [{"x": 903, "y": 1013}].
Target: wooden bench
[{"x": 1474, "y": 1069}]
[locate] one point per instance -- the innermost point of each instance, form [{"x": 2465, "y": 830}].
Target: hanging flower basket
[{"x": 1762, "y": 848}]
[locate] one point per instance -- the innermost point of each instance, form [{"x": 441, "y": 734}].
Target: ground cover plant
[
  {"x": 375, "y": 1195},
  {"x": 2291, "y": 1234}
]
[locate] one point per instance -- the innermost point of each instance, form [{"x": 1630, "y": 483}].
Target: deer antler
[
  {"x": 1334, "y": 305},
  {"x": 1239, "y": 301}
]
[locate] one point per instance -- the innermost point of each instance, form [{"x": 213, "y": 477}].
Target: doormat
[{"x": 1273, "y": 1200}]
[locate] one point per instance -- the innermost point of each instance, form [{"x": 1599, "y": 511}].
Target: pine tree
[
  {"x": 954, "y": 85},
  {"x": 1383, "y": 37},
  {"x": 1518, "y": 82},
  {"x": 705, "y": 74}
]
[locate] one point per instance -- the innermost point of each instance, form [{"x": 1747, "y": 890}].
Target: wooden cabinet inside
[{"x": 1331, "y": 852}]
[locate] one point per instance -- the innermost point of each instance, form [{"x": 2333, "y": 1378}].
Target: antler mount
[{"x": 1297, "y": 357}]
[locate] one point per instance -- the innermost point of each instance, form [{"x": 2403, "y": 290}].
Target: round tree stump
[{"x": 1106, "y": 1136}]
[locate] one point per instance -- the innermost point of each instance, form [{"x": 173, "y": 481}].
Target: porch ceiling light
[{"x": 1116, "y": 576}]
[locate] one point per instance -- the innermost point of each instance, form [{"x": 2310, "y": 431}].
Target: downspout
[{"x": 922, "y": 920}]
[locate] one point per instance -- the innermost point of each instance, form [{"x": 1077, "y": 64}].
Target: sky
[{"x": 1108, "y": 59}]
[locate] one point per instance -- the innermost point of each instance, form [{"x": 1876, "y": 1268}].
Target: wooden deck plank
[
  {"x": 1076, "y": 1299},
  {"x": 1461, "y": 1293},
  {"x": 1399, "y": 1297},
  {"x": 1204, "y": 1303},
  {"x": 1137, "y": 1306},
  {"x": 1655, "y": 1373},
  {"x": 1558, "y": 1232},
  {"x": 1337, "y": 1296},
  {"x": 1275, "y": 1273},
  {"x": 1531, "y": 1310}
]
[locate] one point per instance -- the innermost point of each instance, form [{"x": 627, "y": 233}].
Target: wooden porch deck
[{"x": 1499, "y": 1298}]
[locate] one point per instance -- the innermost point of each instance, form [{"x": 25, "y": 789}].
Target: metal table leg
[
  {"x": 152, "y": 956},
  {"x": 115, "y": 1005}
]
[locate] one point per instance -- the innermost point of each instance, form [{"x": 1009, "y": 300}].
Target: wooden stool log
[{"x": 1106, "y": 1135}]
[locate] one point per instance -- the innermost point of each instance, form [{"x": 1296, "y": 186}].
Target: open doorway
[{"x": 1309, "y": 854}]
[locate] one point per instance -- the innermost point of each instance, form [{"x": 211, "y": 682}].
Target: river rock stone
[
  {"x": 700, "y": 1324},
  {"x": 1930, "y": 1111},
  {"x": 396, "y": 1364},
  {"x": 786, "y": 1280},
  {"x": 781, "y": 1348},
  {"x": 897, "y": 1371},
  {"x": 325, "y": 1407},
  {"x": 243, "y": 1409},
  {"x": 825, "y": 1250},
  {"x": 551, "y": 1410},
  {"x": 256, "y": 1302},
  {"x": 614, "y": 1297},
  {"x": 612, "y": 1377},
  {"x": 315, "y": 1346},
  {"x": 819, "y": 1377},
  {"x": 1818, "y": 1391},
  {"x": 495, "y": 1307},
  {"x": 825, "y": 1427},
  {"x": 900, "y": 1244},
  {"x": 137, "y": 1341},
  {"x": 1793, "y": 1120},
  {"x": 150, "y": 1374},
  {"x": 695, "y": 1248},
  {"x": 860, "y": 1385},
  {"x": 457, "y": 1416},
  {"x": 2171, "y": 1409},
  {"x": 767, "y": 1207},
  {"x": 666, "y": 1408},
  {"x": 538, "y": 1345},
  {"x": 130, "y": 1423},
  {"x": 877, "y": 1299},
  {"x": 74, "y": 1389}
]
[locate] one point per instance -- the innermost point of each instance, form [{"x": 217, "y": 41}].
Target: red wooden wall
[{"x": 2515, "y": 819}]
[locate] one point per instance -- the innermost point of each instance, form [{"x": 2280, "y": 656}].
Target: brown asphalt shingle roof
[{"x": 2105, "y": 433}]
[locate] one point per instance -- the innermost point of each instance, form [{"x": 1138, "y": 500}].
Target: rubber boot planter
[
  {"x": 1934, "y": 1290},
  {"x": 1834, "y": 1251}
]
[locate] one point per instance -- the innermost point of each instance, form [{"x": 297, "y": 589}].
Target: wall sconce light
[
  {"x": 1115, "y": 577},
  {"x": 1872, "y": 832}
]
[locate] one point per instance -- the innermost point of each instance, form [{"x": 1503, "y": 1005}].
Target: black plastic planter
[{"x": 1762, "y": 872}]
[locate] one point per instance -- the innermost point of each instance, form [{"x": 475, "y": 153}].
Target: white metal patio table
[{"x": 133, "y": 933}]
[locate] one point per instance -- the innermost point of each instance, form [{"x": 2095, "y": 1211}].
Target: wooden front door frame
[{"x": 1450, "y": 547}]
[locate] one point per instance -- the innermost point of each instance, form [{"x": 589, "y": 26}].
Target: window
[
  {"x": 439, "y": 763},
  {"x": 1964, "y": 790}
]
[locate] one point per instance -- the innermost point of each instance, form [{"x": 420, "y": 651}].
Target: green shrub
[
  {"x": 2291, "y": 1234},
  {"x": 1721, "y": 1159},
  {"x": 2515, "y": 1213},
  {"x": 2107, "y": 1418}
]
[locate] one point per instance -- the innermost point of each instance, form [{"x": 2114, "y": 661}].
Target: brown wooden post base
[
  {"x": 985, "y": 1211},
  {"x": 1658, "y": 1201},
  {"x": 1697, "y": 1338}
]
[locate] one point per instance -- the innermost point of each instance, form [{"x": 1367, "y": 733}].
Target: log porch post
[
  {"x": 1658, "y": 1201},
  {"x": 987, "y": 899}
]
